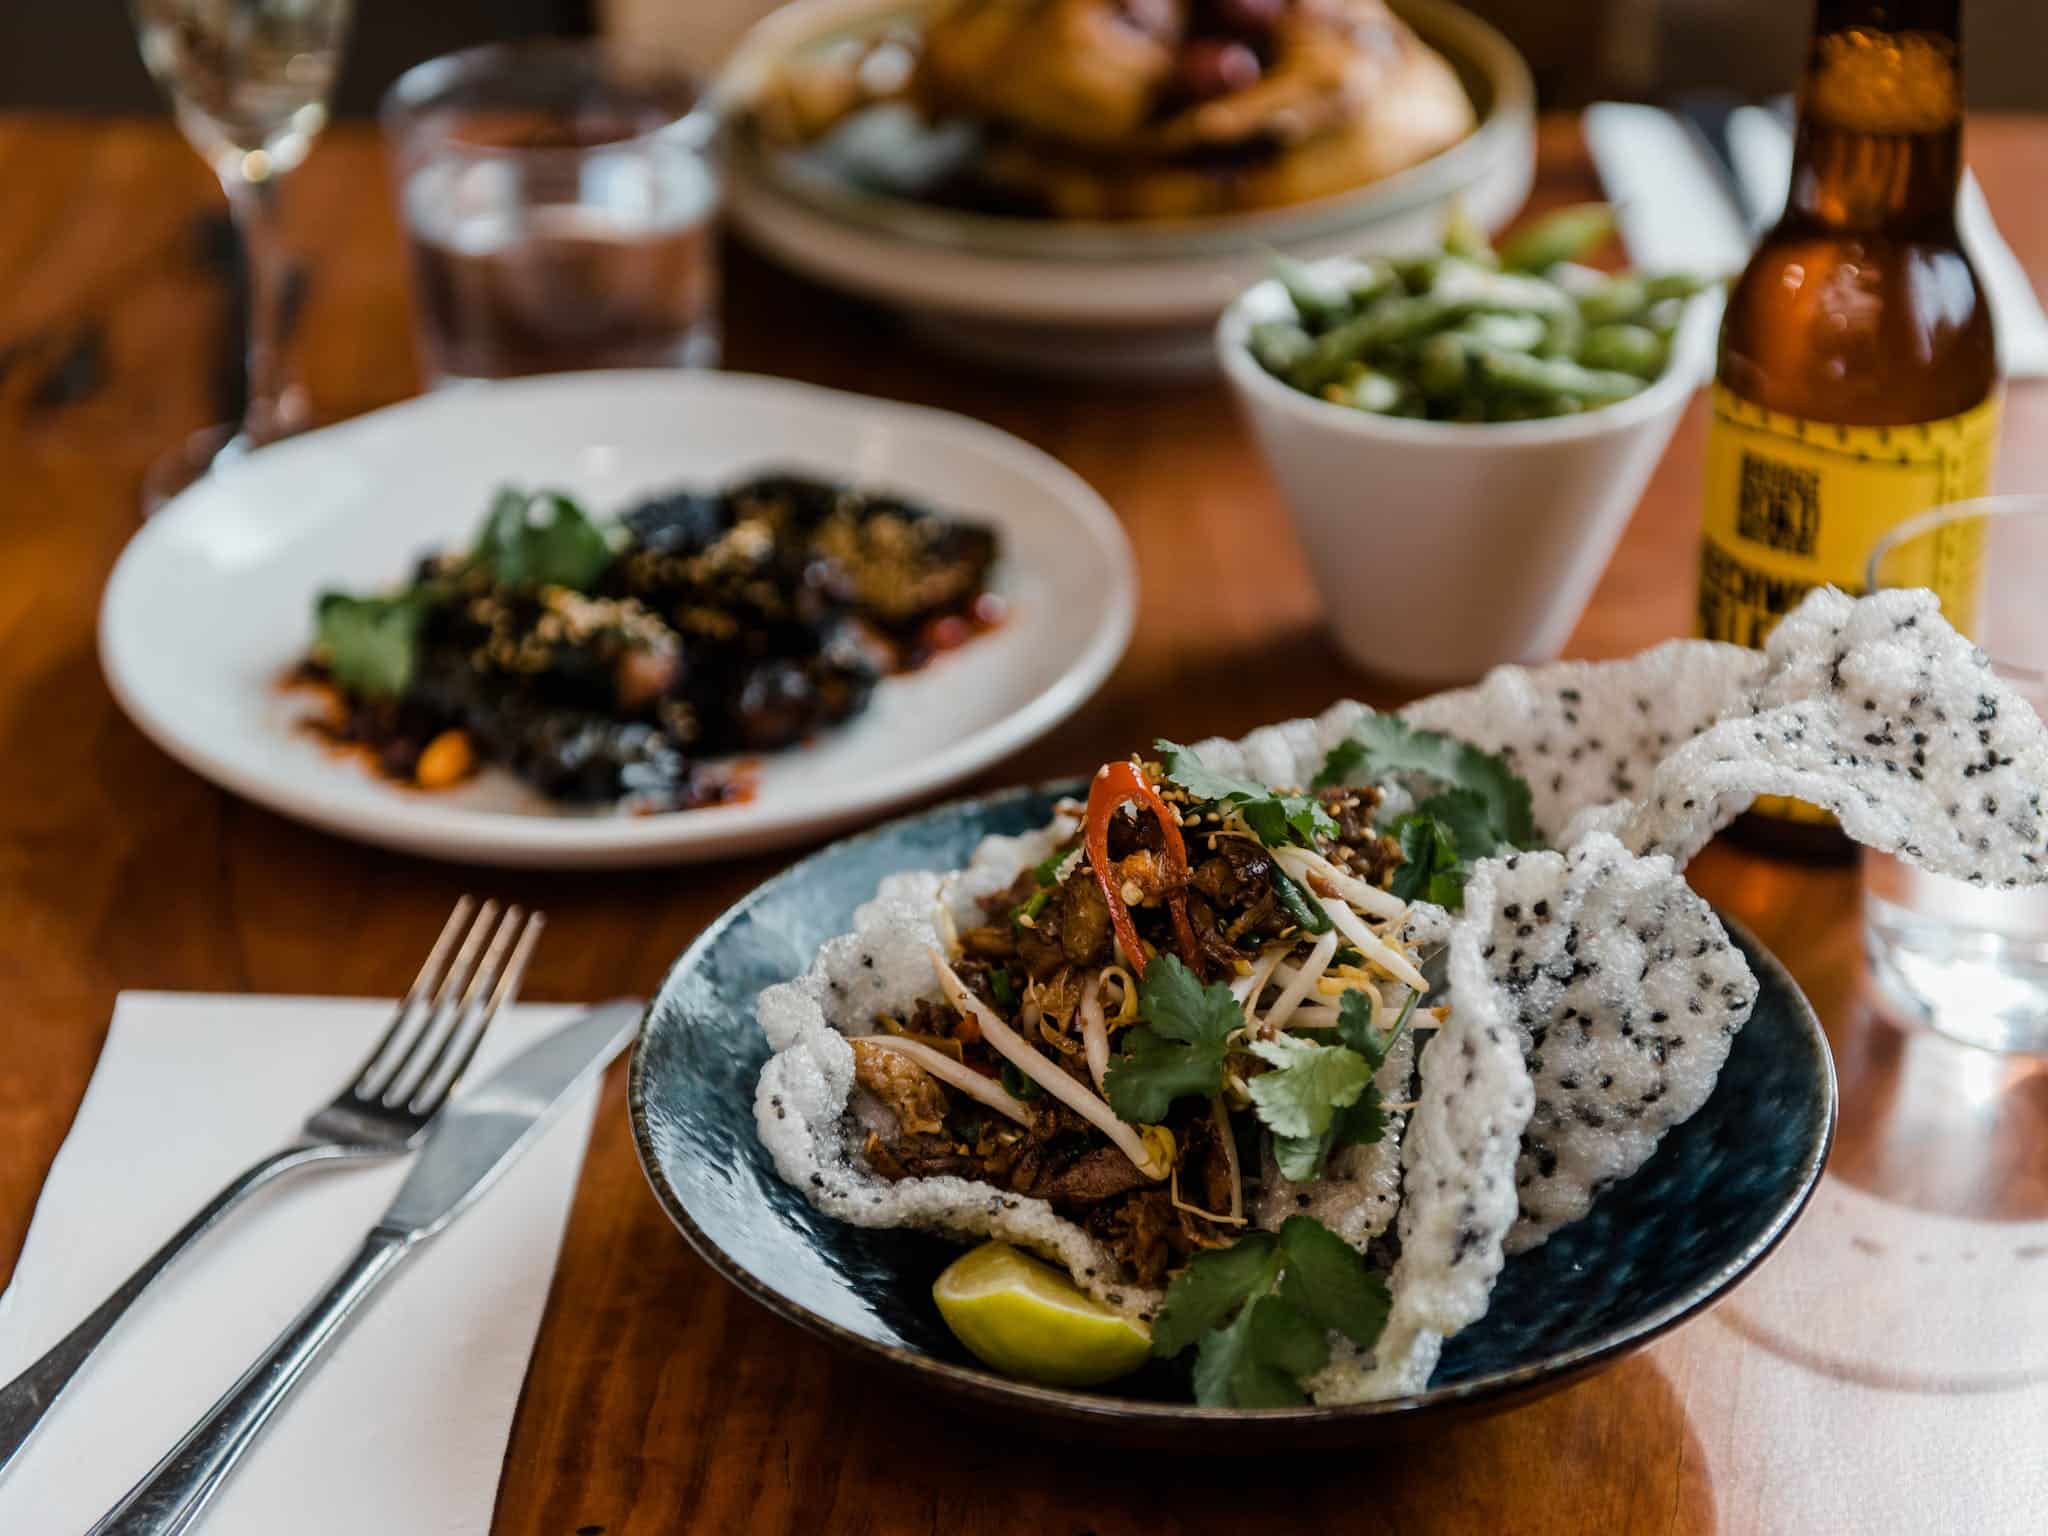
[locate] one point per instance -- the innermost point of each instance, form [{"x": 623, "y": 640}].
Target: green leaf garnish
[
  {"x": 1354, "y": 1026},
  {"x": 1215, "y": 1283},
  {"x": 1440, "y": 841},
  {"x": 1259, "y": 1360},
  {"x": 1483, "y": 808},
  {"x": 1259, "y": 1313},
  {"x": 542, "y": 539},
  {"x": 1017, "y": 1085},
  {"x": 370, "y": 645},
  {"x": 1302, "y": 1146},
  {"x": 1330, "y": 1284},
  {"x": 1179, "y": 1049},
  {"x": 1430, "y": 869},
  {"x": 1309, "y": 1083},
  {"x": 1341, "y": 766},
  {"x": 1391, "y": 745},
  {"x": 1275, "y": 818}
]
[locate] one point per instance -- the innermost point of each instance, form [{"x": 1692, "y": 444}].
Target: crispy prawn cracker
[
  {"x": 1457, "y": 1184},
  {"x": 1877, "y": 710}
]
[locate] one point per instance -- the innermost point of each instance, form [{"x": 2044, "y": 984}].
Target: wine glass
[{"x": 248, "y": 81}]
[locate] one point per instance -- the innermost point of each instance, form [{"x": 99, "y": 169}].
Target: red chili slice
[{"x": 1116, "y": 785}]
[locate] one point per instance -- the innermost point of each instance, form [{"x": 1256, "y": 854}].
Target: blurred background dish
[
  {"x": 207, "y": 608},
  {"x": 875, "y": 205}
]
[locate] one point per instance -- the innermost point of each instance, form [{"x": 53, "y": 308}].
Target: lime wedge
[{"x": 1024, "y": 1318}]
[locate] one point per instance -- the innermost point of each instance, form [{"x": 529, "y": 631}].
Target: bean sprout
[
  {"x": 970, "y": 1082},
  {"x": 1007, "y": 1043},
  {"x": 1094, "y": 1030}
]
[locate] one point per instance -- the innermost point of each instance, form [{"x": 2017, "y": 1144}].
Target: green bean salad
[{"x": 1470, "y": 333}]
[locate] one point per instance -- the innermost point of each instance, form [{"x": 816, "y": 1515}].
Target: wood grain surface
[{"x": 1887, "y": 1370}]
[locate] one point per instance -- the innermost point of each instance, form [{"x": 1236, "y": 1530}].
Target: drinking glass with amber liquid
[{"x": 1857, "y": 383}]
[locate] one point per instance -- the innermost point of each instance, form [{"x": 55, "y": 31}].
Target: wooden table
[{"x": 1865, "y": 1380}]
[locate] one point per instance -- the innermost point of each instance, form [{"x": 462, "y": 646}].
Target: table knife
[
  {"x": 475, "y": 1139},
  {"x": 1710, "y": 115}
]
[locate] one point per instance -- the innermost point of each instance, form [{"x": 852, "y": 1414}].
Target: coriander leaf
[
  {"x": 1203, "y": 782},
  {"x": 1354, "y": 1027},
  {"x": 1179, "y": 1051},
  {"x": 1360, "y": 1124},
  {"x": 1175, "y": 1002},
  {"x": 370, "y": 645},
  {"x": 1224, "y": 1367},
  {"x": 541, "y": 540},
  {"x": 1463, "y": 814},
  {"x": 1275, "y": 818},
  {"x": 1257, "y": 1362},
  {"x": 1285, "y": 1337},
  {"x": 1282, "y": 819},
  {"x": 1329, "y": 1283},
  {"x": 1214, "y": 1284},
  {"x": 1312, "y": 1082},
  {"x": 1300, "y": 1158},
  {"x": 1393, "y": 746},
  {"x": 1342, "y": 765},
  {"x": 1151, "y": 1072},
  {"x": 1363, "y": 1121},
  {"x": 1429, "y": 868}
]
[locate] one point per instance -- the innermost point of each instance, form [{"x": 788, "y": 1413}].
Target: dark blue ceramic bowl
[{"x": 1717, "y": 1196}]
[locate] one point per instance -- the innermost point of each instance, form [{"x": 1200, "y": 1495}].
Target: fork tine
[
  {"x": 434, "y": 1019},
  {"x": 422, "y": 984},
  {"x": 436, "y": 1084},
  {"x": 419, "y": 1066}
]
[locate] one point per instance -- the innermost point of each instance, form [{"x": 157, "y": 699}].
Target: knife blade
[
  {"x": 475, "y": 1139},
  {"x": 482, "y": 1132},
  {"x": 1710, "y": 116}
]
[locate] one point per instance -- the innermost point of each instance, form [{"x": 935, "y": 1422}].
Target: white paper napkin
[{"x": 402, "y": 1430}]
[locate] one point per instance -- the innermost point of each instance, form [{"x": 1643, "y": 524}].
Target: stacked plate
[{"x": 1096, "y": 297}]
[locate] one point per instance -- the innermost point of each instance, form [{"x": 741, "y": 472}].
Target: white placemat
[{"x": 402, "y": 1431}]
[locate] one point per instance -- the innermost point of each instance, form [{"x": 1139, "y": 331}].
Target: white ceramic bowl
[
  {"x": 1444, "y": 548},
  {"x": 1109, "y": 297}
]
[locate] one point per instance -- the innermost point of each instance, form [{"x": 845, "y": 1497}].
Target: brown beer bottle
[{"x": 1858, "y": 380}]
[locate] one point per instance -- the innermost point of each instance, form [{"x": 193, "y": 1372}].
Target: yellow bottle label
[{"x": 1794, "y": 504}]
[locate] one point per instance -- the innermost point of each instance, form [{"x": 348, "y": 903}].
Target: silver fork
[{"x": 383, "y": 1110}]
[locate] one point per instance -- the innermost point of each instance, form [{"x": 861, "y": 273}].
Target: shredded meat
[
  {"x": 1135, "y": 1229},
  {"x": 1092, "y": 1178},
  {"x": 1221, "y": 954},
  {"x": 1236, "y": 874},
  {"x": 912, "y": 1094},
  {"x": 1083, "y": 921},
  {"x": 994, "y": 941}
]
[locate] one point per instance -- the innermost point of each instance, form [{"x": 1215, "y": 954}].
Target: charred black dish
[{"x": 604, "y": 662}]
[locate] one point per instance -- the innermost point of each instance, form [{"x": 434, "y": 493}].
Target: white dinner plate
[{"x": 211, "y": 603}]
